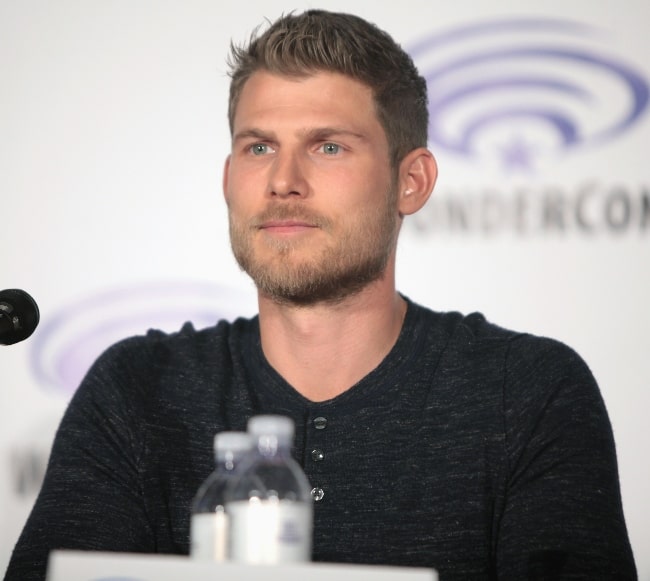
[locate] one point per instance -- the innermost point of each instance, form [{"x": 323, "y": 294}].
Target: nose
[{"x": 287, "y": 176}]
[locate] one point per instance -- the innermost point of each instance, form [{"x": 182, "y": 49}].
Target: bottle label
[
  {"x": 270, "y": 532},
  {"x": 209, "y": 536}
]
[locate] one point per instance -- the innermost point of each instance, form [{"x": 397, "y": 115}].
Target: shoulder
[
  {"x": 158, "y": 363},
  {"x": 523, "y": 364},
  {"x": 534, "y": 366},
  {"x": 462, "y": 333},
  {"x": 476, "y": 330},
  {"x": 161, "y": 347},
  {"x": 546, "y": 388}
]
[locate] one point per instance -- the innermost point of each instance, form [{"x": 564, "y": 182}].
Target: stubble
[{"x": 290, "y": 272}]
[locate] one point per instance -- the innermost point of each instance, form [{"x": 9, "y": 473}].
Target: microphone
[{"x": 18, "y": 316}]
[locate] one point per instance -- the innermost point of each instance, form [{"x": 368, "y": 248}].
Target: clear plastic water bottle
[
  {"x": 209, "y": 528},
  {"x": 269, "y": 502}
]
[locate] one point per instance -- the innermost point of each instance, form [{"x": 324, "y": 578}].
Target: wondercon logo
[
  {"x": 70, "y": 340},
  {"x": 525, "y": 89}
]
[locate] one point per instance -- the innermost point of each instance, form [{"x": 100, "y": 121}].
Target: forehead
[{"x": 323, "y": 96}]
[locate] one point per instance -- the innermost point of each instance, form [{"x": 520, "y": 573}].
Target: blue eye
[
  {"x": 260, "y": 149},
  {"x": 331, "y": 148}
]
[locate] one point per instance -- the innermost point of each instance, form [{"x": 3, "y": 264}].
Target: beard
[{"x": 288, "y": 275}]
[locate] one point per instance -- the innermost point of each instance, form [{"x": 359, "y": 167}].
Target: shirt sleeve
[
  {"x": 91, "y": 497},
  {"x": 563, "y": 516}
]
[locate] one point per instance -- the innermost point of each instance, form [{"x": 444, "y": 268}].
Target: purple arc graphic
[{"x": 470, "y": 76}]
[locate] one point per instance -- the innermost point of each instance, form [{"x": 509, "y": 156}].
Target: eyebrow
[
  {"x": 316, "y": 134},
  {"x": 252, "y": 132},
  {"x": 321, "y": 133}
]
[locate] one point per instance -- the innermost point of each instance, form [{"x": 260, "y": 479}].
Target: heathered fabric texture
[{"x": 483, "y": 453}]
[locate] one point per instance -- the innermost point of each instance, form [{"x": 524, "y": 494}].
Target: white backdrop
[{"x": 112, "y": 137}]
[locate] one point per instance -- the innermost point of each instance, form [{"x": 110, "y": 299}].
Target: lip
[{"x": 286, "y": 226}]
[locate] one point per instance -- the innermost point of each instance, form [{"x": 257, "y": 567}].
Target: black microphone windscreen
[{"x": 19, "y": 316}]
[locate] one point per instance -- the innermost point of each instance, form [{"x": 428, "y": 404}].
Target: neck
[{"x": 324, "y": 349}]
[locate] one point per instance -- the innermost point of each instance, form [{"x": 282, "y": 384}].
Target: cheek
[
  {"x": 239, "y": 174},
  {"x": 239, "y": 191}
]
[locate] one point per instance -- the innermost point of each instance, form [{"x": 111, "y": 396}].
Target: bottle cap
[
  {"x": 231, "y": 443},
  {"x": 271, "y": 425}
]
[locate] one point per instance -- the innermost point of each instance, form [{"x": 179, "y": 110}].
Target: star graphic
[{"x": 518, "y": 155}]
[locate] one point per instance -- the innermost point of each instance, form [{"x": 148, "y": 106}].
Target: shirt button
[
  {"x": 320, "y": 422},
  {"x": 317, "y": 455},
  {"x": 317, "y": 494}
]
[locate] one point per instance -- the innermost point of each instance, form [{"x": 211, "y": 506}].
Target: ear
[
  {"x": 417, "y": 176},
  {"x": 224, "y": 183}
]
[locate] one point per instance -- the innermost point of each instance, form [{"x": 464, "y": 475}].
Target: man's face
[{"x": 309, "y": 187}]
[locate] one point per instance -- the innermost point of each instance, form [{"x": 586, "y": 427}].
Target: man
[{"x": 430, "y": 439}]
